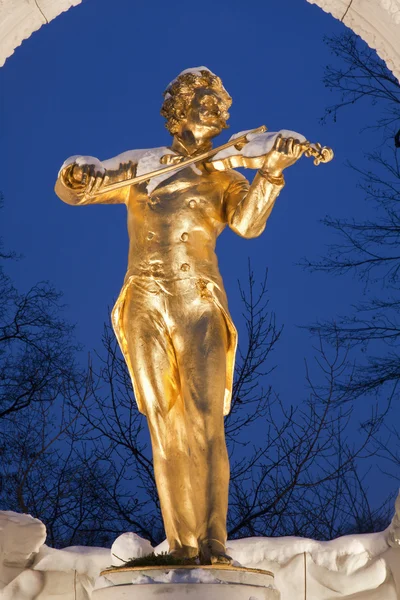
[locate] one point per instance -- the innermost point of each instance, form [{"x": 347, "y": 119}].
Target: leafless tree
[
  {"x": 368, "y": 248},
  {"x": 75, "y": 451},
  {"x": 359, "y": 75},
  {"x": 43, "y": 463},
  {"x": 294, "y": 469},
  {"x": 37, "y": 351},
  {"x": 48, "y": 472}
]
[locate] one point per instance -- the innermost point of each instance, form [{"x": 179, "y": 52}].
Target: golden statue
[{"x": 171, "y": 318}]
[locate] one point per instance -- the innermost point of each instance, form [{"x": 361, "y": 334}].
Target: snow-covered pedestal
[
  {"x": 353, "y": 567},
  {"x": 179, "y": 583}
]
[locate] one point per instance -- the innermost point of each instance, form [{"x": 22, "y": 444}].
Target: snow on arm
[
  {"x": 258, "y": 144},
  {"x": 111, "y": 164}
]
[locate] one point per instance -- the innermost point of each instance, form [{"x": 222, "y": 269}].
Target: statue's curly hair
[{"x": 180, "y": 92}]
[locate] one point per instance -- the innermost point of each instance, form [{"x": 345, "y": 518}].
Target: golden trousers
[{"x": 177, "y": 340}]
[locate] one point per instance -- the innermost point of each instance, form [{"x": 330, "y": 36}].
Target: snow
[
  {"x": 345, "y": 554},
  {"x": 111, "y": 163},
  {"x": 102, "y": 582},
  {"x": 27, "y": 586},
  {"x": 195, "y": 70},
  {"x": 150, "y": 160},
  {"x": 180, "y": 576},
  {"x": 258, "y": 143},
  {"x": 21, "y": 536},
  {"x": 345, "y": 567},
  {"x": 146, "y": 160},
  {"x": 128, "y": 546},
  {"x": 83, "y": 560},
  {"x": 81, "y": 161},
  {"x": 163, "y": 547},
  {"x": 132, "y": 156},
  {"x": 352, "y": 567}
]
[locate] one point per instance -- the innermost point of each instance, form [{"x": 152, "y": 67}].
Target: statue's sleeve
[
  {"x": 249, "y": 206},
  {"x": 113, "y": 170}
]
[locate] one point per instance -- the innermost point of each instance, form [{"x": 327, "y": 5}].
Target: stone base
[{"x": 181, "y": 582}]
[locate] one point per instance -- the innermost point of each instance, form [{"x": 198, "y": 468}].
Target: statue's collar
[
  {"x": 151, "y": 160},
  {"x": 179, "y": 147}
]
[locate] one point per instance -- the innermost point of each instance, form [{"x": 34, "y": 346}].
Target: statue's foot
[
  {"x": 221, "y": 558},
  {"x": 213, "y": 552},
  {"x": 186, "y": 553}
]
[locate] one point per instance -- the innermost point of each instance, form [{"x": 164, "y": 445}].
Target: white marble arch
[
  {"x": 20, "y": 18},
  {"x": 376, "y": 21}
]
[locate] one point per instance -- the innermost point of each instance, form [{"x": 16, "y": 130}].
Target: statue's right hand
[
  {"x": 77, "y": 173},
  {"x": 83, "y": 174},
  {"x": 87, "y": 176}
]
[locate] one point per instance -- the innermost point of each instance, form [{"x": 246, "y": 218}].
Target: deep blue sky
[{"x": 91, "y": 83}]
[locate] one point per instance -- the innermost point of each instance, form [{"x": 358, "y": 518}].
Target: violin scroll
[
  {"x": 321, "y": 154},
  {"x": 254, "y": 146}
]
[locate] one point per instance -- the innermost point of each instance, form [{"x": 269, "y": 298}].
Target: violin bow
[
  {"x": 239, "y": 141},
  {"x": 318, "y": 152}
]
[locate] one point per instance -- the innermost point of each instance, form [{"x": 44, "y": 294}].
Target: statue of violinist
[{"x": 171, "y": 318}]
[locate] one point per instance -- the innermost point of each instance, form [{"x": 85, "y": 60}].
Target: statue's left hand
[{"x": 286, "y": 152}]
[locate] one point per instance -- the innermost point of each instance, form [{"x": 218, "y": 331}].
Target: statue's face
[{"x": 204, "y": 118}]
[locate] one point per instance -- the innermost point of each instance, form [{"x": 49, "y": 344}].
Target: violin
[
  {"x": 250, "y": 153},
  {"x": 246, "y": 149}
]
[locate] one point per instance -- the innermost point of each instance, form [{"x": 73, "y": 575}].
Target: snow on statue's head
[{"x": 180, "y": 92}]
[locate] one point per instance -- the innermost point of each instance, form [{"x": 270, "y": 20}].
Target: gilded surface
[{"x": 171, "y": 318}]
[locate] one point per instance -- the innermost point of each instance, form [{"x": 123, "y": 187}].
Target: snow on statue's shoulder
[
  {"x": 112, "y": 164},
  {"x": 146, "y": 161},
  {"x": 130, "y": 156}
]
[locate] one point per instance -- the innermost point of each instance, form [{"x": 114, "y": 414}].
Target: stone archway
[
  {"x": 377, "y": 22},
  {"x": 20, "y": 18}
]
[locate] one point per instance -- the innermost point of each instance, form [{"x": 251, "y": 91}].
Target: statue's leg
[
  {"x": 157, "y": 379},
  {"x": 201, "y": 344}
]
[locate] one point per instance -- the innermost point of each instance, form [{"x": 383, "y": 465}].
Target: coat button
[
  {"x": 184, "y": 237},
  {"x": 185, "y": 267},
  {"x": 192, "y": 203},
  {"x": 150, "y": 235}
]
